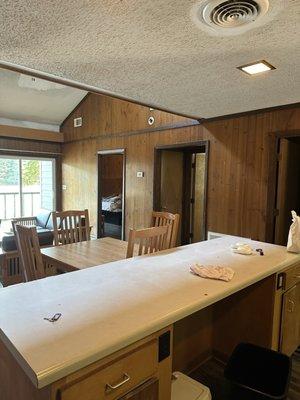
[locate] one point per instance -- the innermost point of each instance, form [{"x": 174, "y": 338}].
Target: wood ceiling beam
[{"x": 30, "y": 134}]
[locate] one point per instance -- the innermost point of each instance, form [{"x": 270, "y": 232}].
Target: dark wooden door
[{"x": 147, "y": 391}]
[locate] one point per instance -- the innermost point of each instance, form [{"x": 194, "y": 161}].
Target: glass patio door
[
  {"x": 27, "y": 185},
  {"x": 10, "y": 203}
]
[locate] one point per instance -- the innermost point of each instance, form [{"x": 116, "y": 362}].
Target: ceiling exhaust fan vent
[{"x": 231, "y": 16}]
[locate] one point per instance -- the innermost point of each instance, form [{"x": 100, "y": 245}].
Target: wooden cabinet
[
  {"x": 133, "y": 373},
  {"x": 290, "y": 323},
  {"x": 116, "y": 378},
  {"x": 292, "y": 276}
]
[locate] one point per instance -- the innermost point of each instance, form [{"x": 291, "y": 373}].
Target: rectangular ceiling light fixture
[{"x": 256, "y": 67}]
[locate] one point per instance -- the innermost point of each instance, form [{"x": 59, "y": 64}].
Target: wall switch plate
[
  {"x": 77, "y": 122},
  {"x": 140, "y": 174},
  {"x": 64, "y": 187}
]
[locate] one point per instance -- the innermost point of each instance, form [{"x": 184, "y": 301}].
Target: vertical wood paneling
[
  {"x": 237, "y": 171},
  {"x": 103, "y": 116}
]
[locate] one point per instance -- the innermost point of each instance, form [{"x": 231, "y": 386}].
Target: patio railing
[{"x": 10, "y": 204}]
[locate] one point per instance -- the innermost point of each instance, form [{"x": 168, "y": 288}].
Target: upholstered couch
[{"x": 44, "y": 227}]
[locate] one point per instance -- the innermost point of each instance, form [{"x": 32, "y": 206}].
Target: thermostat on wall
[{"x": 140, "y": 174}]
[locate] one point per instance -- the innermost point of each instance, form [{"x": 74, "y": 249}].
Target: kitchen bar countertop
[{"x": 107, "y": 308}]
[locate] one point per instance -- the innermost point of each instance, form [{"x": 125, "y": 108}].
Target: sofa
[{"x": 44, "y": 227}]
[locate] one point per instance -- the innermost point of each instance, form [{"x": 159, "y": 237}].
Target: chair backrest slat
[
  {"x": 24, "y": 221},
  {"x": 71, "y": 226},
  {"x": 160, "y": 218},
  {"x": 29, "y": 252},
  {"x": 149, "y": 240}
]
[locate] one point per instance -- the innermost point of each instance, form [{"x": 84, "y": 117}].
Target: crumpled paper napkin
[{"x": 212, "y": 272}]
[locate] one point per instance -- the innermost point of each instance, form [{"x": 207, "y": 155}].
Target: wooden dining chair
[
  {"x": 160, "y": 218},
  {"x": 71, "y": 226},
  {"x": 149, "y": 240},
  {"x": 24, "y": 221},
  {"x": 29, "y": 253}
]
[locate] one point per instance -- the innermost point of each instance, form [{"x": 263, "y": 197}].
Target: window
[{"x": 27, "y": 185}]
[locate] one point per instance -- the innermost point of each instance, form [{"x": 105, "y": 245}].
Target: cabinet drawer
[
  {"x": 292, "y": 276},
  {"x": 117, "y": 378}
]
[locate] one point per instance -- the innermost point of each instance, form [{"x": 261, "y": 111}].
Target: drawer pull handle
[{"x": 109, "y": 387}]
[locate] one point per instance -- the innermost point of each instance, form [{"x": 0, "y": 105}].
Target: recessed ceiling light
[{"x": 257, "y": 67}]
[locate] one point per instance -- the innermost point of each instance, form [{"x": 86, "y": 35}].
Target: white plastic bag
[{"x": 294, "y": 235}]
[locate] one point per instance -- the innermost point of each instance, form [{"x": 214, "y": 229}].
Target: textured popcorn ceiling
[{"x": 152, "y": 52}]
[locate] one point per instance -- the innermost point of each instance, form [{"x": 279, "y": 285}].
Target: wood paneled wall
[
  {"x": 105, "y": 116},
  {"x": 237, "y": 168}
]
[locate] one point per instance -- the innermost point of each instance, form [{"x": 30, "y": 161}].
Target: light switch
[
  {"x": 140, "y": 174},
  {"x": 64, "y": 187}
]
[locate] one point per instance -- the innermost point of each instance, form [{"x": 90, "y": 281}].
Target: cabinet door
[
  {"x": 147, "y": 391},
  {"x": 290, "y": 327}
]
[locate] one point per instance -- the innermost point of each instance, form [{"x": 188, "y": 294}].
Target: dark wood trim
[
  {"x": 182, "y": 145},
  {"x": 157, "y": 180},
  {"x": 177, "y": 125},
  {"x": 207, "y": 151},
  {"x": 273, "y": 147},
  {"x": 189, "y": 147},
  {"x": 99, "y": 195},
  {"x": 82, "y": 86},
  {"x": 74, "y": 109},
  {"x": 41, "y": 135},
  {"x": 186, "y": 197},
  {"x": 29, "y": 153},
  {"x": 21, "y": 140},
  {"x": 58, "y": 177},
  {"x": 247, "y": 113}
]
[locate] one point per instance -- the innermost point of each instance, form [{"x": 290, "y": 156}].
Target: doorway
[
  {"x": 111, "y": 190},
  {"x": 287, "y": 187},
  {"x": 180, "y": 180}
]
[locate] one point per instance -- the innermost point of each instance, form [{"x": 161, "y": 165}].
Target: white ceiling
[
  {"x": 43, "y": 102},
  {"x": 153, "y": 52}
]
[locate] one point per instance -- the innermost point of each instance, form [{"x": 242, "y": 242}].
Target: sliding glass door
[{"x": 27, "y": 185}]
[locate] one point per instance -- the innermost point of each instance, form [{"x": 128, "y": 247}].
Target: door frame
[
  {"x": 100, "y": 154},
  {"x": 188, "y": 147},
  {"x": 272, "y": 183}
]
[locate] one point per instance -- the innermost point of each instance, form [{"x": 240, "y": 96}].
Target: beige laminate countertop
[{"x": 107, "y": 308}]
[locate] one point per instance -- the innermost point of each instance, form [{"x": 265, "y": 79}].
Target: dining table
[{"x": 81, "y": 255}]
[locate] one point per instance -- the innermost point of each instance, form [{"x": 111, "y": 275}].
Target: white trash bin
[{"x": 185, "y": 388}]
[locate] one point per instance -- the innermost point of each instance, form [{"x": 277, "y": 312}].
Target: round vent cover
[{"x": 230, "y": 17}]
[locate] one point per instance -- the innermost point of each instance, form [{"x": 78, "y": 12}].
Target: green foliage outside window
[
  {"x": 31, "y": 172},
  {"x": 9, "y": 172}
]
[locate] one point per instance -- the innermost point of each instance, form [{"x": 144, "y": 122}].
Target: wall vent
[
  {"x": 77, "y": 122},
  {"x": 229, "y": 17}
]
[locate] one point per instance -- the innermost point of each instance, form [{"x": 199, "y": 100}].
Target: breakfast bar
[{"x": 128, "y": 324}]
